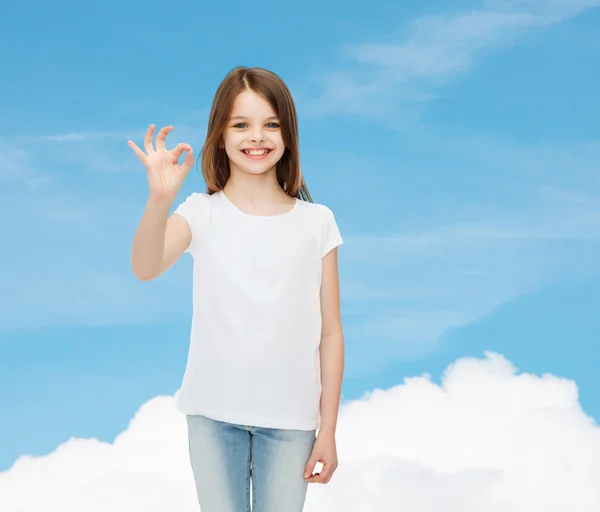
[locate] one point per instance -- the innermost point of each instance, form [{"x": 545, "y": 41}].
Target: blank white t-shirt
[{"x": 256, "y": 325}]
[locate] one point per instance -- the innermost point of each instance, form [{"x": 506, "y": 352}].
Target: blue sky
[{"x": 457, "y": 144}]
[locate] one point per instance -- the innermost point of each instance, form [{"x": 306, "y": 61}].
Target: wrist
[
  {"x": 327, "y": 430},
  {"x": 160, "y": 201}
]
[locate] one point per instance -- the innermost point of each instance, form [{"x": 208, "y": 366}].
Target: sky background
[{"x": 457, "y": 143}]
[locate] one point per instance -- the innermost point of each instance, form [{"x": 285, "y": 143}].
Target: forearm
[
  {"x": 332, "y": 370},
  {"x": 149, "y": 241}
]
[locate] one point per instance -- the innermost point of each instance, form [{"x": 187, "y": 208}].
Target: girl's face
[{"x": 253, "y": 138}]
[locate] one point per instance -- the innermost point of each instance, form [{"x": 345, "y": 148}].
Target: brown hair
[{"x": 215, "y": 163}]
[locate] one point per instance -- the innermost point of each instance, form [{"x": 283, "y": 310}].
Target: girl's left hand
[{"x": 324, "y": 451}]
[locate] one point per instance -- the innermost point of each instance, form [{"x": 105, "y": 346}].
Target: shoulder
[
  {"x": 319, "y": 216},
  {"x": 194, "y": 208},
  {"x": 317, "y": 210},
  {"x": 323, "y": 225},
  {"x": 194, "y": 201},
  {"x": 198, "y": 198}
]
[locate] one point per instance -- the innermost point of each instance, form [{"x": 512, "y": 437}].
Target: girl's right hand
[{"x": 165, "y": 175}]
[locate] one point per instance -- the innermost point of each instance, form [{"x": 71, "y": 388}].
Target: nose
[{"x": 257, "y": 136}]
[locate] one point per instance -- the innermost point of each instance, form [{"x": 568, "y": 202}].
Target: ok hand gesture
[{"x": 165, "y": 175}]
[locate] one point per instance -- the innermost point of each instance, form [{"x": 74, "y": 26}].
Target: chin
[{"x": 256, "y": 171}]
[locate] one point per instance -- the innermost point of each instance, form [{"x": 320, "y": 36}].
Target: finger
[
  {"x": 180, "y": 148},
  {"x": 325, "y": 474},
  {"x": 148, "y": 139},
  {"x": 314, "y": 479},
  {"x": 141, "y": 155},
  {"x": 160, "y": 138},
  {"x": 320, "y": 478},
  {"x": 188, "y": 162},
  {"x": 310, "y": 466}
]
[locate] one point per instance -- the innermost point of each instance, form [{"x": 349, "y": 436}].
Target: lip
[{"x": 257, "y": 157}]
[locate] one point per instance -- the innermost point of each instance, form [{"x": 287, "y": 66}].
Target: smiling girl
[{"x": 265, "y": 363}]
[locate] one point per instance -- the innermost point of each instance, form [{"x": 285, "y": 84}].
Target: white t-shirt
[{"x": 256, "y": 325}]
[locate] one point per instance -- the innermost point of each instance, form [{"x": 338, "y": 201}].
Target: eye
[{"x": 270, "y": 125}]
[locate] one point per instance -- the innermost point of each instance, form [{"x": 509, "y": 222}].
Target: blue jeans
[{"x": 227, "y": 458}]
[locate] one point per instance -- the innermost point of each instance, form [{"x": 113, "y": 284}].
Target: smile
[{"x": 256, "y": 154}]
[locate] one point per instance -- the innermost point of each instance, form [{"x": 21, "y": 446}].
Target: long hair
[{"x": 215, "y": 163}]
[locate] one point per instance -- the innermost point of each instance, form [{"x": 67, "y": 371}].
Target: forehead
[{"x": 251, "y": 104}]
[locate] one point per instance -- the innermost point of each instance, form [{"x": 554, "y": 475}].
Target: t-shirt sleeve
[
  {"x": 193, "y": 211},
  {"x": 330, "y": 236}
]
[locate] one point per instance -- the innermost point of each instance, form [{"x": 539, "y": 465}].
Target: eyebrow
[{"x": 244, "y": 117}]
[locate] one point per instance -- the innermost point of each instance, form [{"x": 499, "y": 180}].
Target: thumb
[{"x": 310, "y": 465}]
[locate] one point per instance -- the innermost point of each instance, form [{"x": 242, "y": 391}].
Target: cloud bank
[{"x": 486, "y": 439}]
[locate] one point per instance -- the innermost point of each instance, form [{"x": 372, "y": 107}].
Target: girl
[{"x": 265, "y": 362}]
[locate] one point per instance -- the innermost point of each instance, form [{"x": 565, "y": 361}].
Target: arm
[
  {"x": 332, "y": 345},
  {"x": 332, "y": 368},
  {"x": 159, "y": 240}
]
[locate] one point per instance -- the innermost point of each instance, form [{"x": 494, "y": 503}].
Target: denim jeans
[{"x": 233, "y": 463}]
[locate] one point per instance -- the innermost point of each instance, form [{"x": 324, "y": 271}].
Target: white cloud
[
  {"x": 17, "y": 167},
  {"x": 416, "y": 286},
  {"x": 488, "y": 439},
  {"x": 89, "y": 152},
  {"x": 402, "y": 290},
  {"x": 435, "y": 50},
  {"x": 78, "y": 136},
  {"x": 84, "y": 230},
  {"x": 519, "y": 219}
]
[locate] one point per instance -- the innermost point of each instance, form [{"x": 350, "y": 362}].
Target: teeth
[{"x": 256, "y": 153}]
